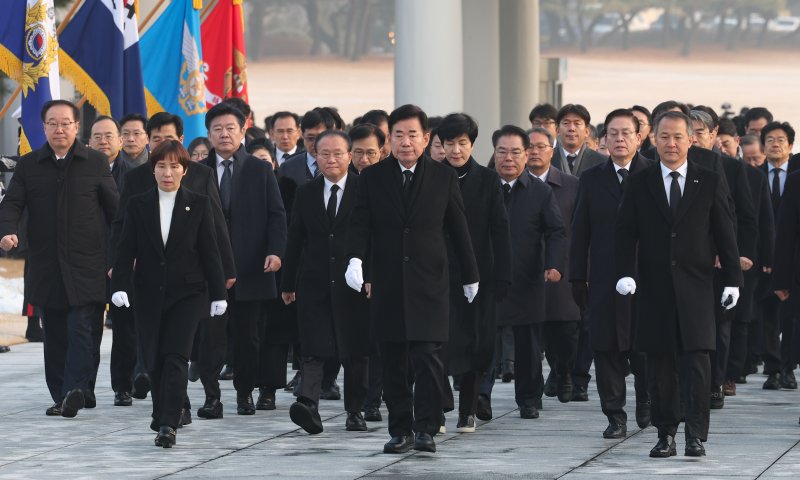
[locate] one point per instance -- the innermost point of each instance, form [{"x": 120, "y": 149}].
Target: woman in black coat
[
  {"x": 168, "y": 234},
  {"x": 473, "y": 325}
]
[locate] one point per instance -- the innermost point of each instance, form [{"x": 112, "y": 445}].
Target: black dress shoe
[
  {"x": 194, "y": 372},
  {"x": 89, "y": 400},
  {"x": 5, "y": 349},
  {"x": 615, "y": 430},
  {"x": 292, "y": 383},
  {"x": 579, "y": 394},
  {"x": 694, "y": 448},
  {"x": 664, "y": 448},
  {"x": 244, "y": 404},
  {"x": 73, "y": 401},
  {"x": 466, "y": 423},
  {"x": 330, "y": 392},
  {"x": 141, "y": 385},
  {"x": 399, "y": 444},
  {"x": 226, "y": 373},
  {"x": 484, "y": 410},
  {"x": 54, "y": 410},
  {"x": 550, "y": 385},
  {"x": 717, "y": 399},
  {"x": 372, "y": 414},
  {"x": 788, "y": 381},
  {"x": 186, "y": 417},
  {"x": 773, "y": 382},
  {"x": 423, "y": 442},
  {"x": 266, "y": 399},
  {"x": 210, "y": 410},
  {"x": 508, "y": 371},
  {"x": 564, "y": 388},
  {"x": 355, "y": 423},
  {"x": 165, "y": 437},
  {"x": 122, "y": 399},
  {"x": 643, "y": 414},
  {"x": 528, "y": 411},
  {"x": 305, "y": 415}
]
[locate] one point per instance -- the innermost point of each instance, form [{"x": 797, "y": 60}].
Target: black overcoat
[
  {"x": 538, "y": 243},
  {"x": 187, "y": 271},
  {"x": 675, "y": 257},
  {"x": 786, "y": 271},
  {"x": 410, "y": 273},
  {"x": 70, "y": 209}
]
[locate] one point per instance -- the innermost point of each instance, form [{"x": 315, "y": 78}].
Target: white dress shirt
[
  {"x": 166, "y": 204},
  {"x": 282, "y": 156},
  {"x": 781, "y": 171},
  {"x": 510, "y": 184},
  {"x": 627, "y": 167},
  {"x": 326, "y": 192},
  {"x": 403, "y": 169},
  {"x": 665, "y": 174},
  {"x": 221, "y": 169}
]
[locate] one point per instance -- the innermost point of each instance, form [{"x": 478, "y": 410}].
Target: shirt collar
[
  {"x": 342, "y": 181},
  {"x": 627, "y": 166},
  {"x": 566, "y": 153},
  {"x": 665, "y": 171},
  {"x": 511, "y": 183},
  {"x": 220, "y": 159},
  {"x": 310, "y": 161},
  {"x": 403, "y": 169}
]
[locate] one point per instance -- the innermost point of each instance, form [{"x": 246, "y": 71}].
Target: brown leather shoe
[{"x": 729, "y": 388}]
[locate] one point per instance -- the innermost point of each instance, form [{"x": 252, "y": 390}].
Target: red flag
[{"x": 222, "y": 34}]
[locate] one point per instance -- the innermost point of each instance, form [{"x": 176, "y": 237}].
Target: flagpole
[
  {"x": 60, "y": 28},
  {"x": 150, "y": 15},
  {"x": 208, "y": 8}
]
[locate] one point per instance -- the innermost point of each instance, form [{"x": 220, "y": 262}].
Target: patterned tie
[
  {"x": 674, "y": 193},
  {"x": 225, "y": 186},
  {"x": 332, "y": 203},
  {"x": 315, "y": 170},
  {"x": 571, "y": 162}
]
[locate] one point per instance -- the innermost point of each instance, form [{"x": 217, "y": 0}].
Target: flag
[
  {"x": 29, "y": 55},
  {"x": 172, "y": 66},
  {"x": 224, "y": 52},
  {"x": 94, "y": 56}
]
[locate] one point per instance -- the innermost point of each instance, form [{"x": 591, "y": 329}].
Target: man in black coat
[
  {"x": 593, "y": 274},
  {"x": 71, "y": 197},
  {"x": 571, "y": 154},
  {"x": 561, "y": 327},
  {"x": 673, "y": 221},
  {"x": 787, "y": 260},
  {"x": 256, "y": 223},
  {"x": 538, "y": 253},
  {"x": 333, "y": 319},
  {"x": 406, "y": 205}
]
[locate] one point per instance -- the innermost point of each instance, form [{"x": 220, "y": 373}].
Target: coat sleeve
[
  {"x": 126, "y": 253},
  {"x": 581, "y": 236},
  {"x": 766, "y": 226},
  {"x": 627, "y": 232},
  {"x": 359, "y": 232},
  {"x": 13, "y": 202},
  {"x": 501, "y": 234},
  {"x": 294, "y": 248},
  {"x": 722, "y": 229},
  {"x": 276, "y": 217},
  {"x": 456, "y": 225},
  {"x": 554, "y": 234},
  {"x": 786, "y": 237},
  {"x": 220, "y": 229},
  {"x": 746, "y": 223},
  {"x": 210, "y": 255}
]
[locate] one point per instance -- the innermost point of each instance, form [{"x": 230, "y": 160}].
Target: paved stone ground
[{"x": 755, "y": 436}]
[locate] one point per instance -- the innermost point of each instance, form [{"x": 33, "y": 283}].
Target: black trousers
[
  {"x": 611, "y": 368},
  {"x": 355, "y": 380},
  {"x": 778, "y": 330},
  {"x": 170, "y": 375},
  {"x": 212, "y": 345},
  {"x": 413, "y": 407},
  {"x": 375, "y": 388},
  {"x": 584, "y": 356},
  {"x": 739, "y": 329},
  {"x": 561, "y": 345},
  {"x": 719, "y": 358},
  {"x": 245, "y": 317},
  {"x": 468, "y": 389},
  {"x": 123, "y": 348},
  {"x": 69, "y": 348},
  {"x": 97, "y": 337},
  {"x": 667, "y": 374},
  {"x": 528, "y": 380}
]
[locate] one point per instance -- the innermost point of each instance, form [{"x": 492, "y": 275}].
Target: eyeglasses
[
  {"x": 108, "y": 137},
  {"x": 542, "y": 123},
  {"x": 229, "y": 129},
  {"x": 336, "y": 155},
  {"x": 198, "y": 156},
  {"x": 778, "y": 140},
  {"x": 502, "y": 153},
  {"x": 134, "y": 134},
  {"x": 57, "y": 125},
  {"x": 371, "y": 154},
  {"x": 540, "y": 147}
]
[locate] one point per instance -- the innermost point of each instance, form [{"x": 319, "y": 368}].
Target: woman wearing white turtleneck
[{"x": 169, "y": 234}]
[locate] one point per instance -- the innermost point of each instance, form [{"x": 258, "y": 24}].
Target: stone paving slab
[{"x": 756, "y": 435}]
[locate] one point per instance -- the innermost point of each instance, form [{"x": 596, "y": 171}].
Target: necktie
[
  {"x": 407, "y": 176},
  {"x": 674, "y": 193},
  {"x": 225, "y": 186},
  {"x": 571, "y": 162},
  {"x": 332, "y": 203},
  {"x": 507, "y": 194},
  {"x": 623, "y": 175},
  {"x": 315, "y": 170},
  {"x": 776, "y": 187}
]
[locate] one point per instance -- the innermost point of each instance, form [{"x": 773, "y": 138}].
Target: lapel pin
[
  {"x": 696, "y": 181},
  {"x": 187, "y": 208}
]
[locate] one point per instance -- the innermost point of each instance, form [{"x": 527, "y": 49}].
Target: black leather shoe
[
  {"x": 89, "y": 400},
  {"x": 194, "y": 372},
  {"x": 226, "y": 373},
  {"x": 579, "y": 394},
  {"x": 508, "y": 371},
  {"x": 565, "y": 389},
  {"x": 643, "y": 414},
  {"x": 399, "y": 444},
  {"x": 330, "y": 392},
  {"x": 694, "y": 448},
  {"x": 615, "y": 430},
  {"x": 210, "y": 410},
  {"x": 244, "y": 404},
  {"x": 788, "y": 381},
  {"x": 186, "y": 418},
  {"x": 306, "y": 417},
  {"x": 717, "y": 399},
  {"x": 73, "y": 401},
  {"x": 372, "y": 414},
  {"x": 266, "y": 399},
  {"x": 355, "y": 423},
  {"x": 423, "y": 442},
  {"x": 484, "y": 410},
  {"x": 528, "y": 411},
  {"x": 141, "y": 385},
  {"x": 550, "y": 386},
  {"x": 773, "y": 382},
  {"x": 664, "y": 448},
  {"x": 165, "y": 437},
  {"x": 122, "y": 399},
  {"x": 292, "y": 383},
  {"x": 54, "y": 410}
]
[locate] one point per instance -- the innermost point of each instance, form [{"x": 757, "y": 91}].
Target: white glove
[
  {"x": 732, "y": 292},
  {"x": 120, "y": 298},
  {"x": 470, "y": 291},
  {"x": 626, "y": 286},
  {"x": 354, "y": 276},
  {"x": 218, "y": 307}
]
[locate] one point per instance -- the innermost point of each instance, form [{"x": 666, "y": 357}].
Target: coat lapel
[
  {"x": 610, "y": 180},
  {"x": 184, "y": 201},
  {"x": 694, "y": 181},
  {"x": 393, "y": 180},
  {"x": 417, "y": 184},
  {"x": 152, "y": 219},
  {"x": 656, "y": 184},
  {"x": 239, "y": 174},
  {"x": 348, "y": 198},
  {"x": 319, "y": 207}
]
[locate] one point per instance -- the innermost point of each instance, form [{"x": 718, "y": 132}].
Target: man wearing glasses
[
  {"x": 572, "y": 155},
  {"x": 71, "y": 197},
  {"x": 368, "y": 141}
]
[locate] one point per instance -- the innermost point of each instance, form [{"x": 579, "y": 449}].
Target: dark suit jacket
[
  {"x": 296, "y": 168},
  {"x": 187, "y": 270},
  {"x": 333, "y": 318},
  {"x": 592, "y": 255},
  {"x": 786, "y": 271},
  {"x": 70, "y": 207},
  {"x": 410, "y": 285},
  {"x": 119, "y": 169},
  {"x": 256, "y": 223},
  {"x": 587, "y": 158},
  {"x": 765, "y": 242},
  {"x": 743, "y": 203},
  {"x": 538, "y": 243},
  {"x": 199, "y": 179},
  {"x": 676, "y": 258}
]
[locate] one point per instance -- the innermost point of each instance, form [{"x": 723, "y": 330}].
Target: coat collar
[
  {"x": 78, "y": 150},
  {"x": 555, "y": 176}
]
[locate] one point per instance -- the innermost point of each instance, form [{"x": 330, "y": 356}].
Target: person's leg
[
  {"x": 528, "y": 384},
  {"x": 246, "y": 316},
  {"x": 609, "y": 370},
  {"x": 662, "y": 379},
  {"x": 468, "y": 393},
  {"x": 123, "y": 349},
  {"x": 698, "y": 383},
  {"x": 54, "y": 323},
  {"x": 583, "y": 358},
  {"x": 178, "y": 328},
  {"x": 375, "y": 389},
  {"x": 397, "y": 390},
  {"x": 428, "y": 389},
  {"x": 772, "y": 343},
  {"x": 211, "y": 353},
  {"x": 313, "y": 373},
  {"x": 356, "y": 383},
  {"x": 79, "y": 362}
]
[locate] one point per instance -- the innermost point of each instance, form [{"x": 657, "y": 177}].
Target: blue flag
[
  {"x": 29, "y": 55},
  {"x": 172, "y": 65}
]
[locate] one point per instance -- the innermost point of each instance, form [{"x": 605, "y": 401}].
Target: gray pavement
[{"x": 756, "y": 435}]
